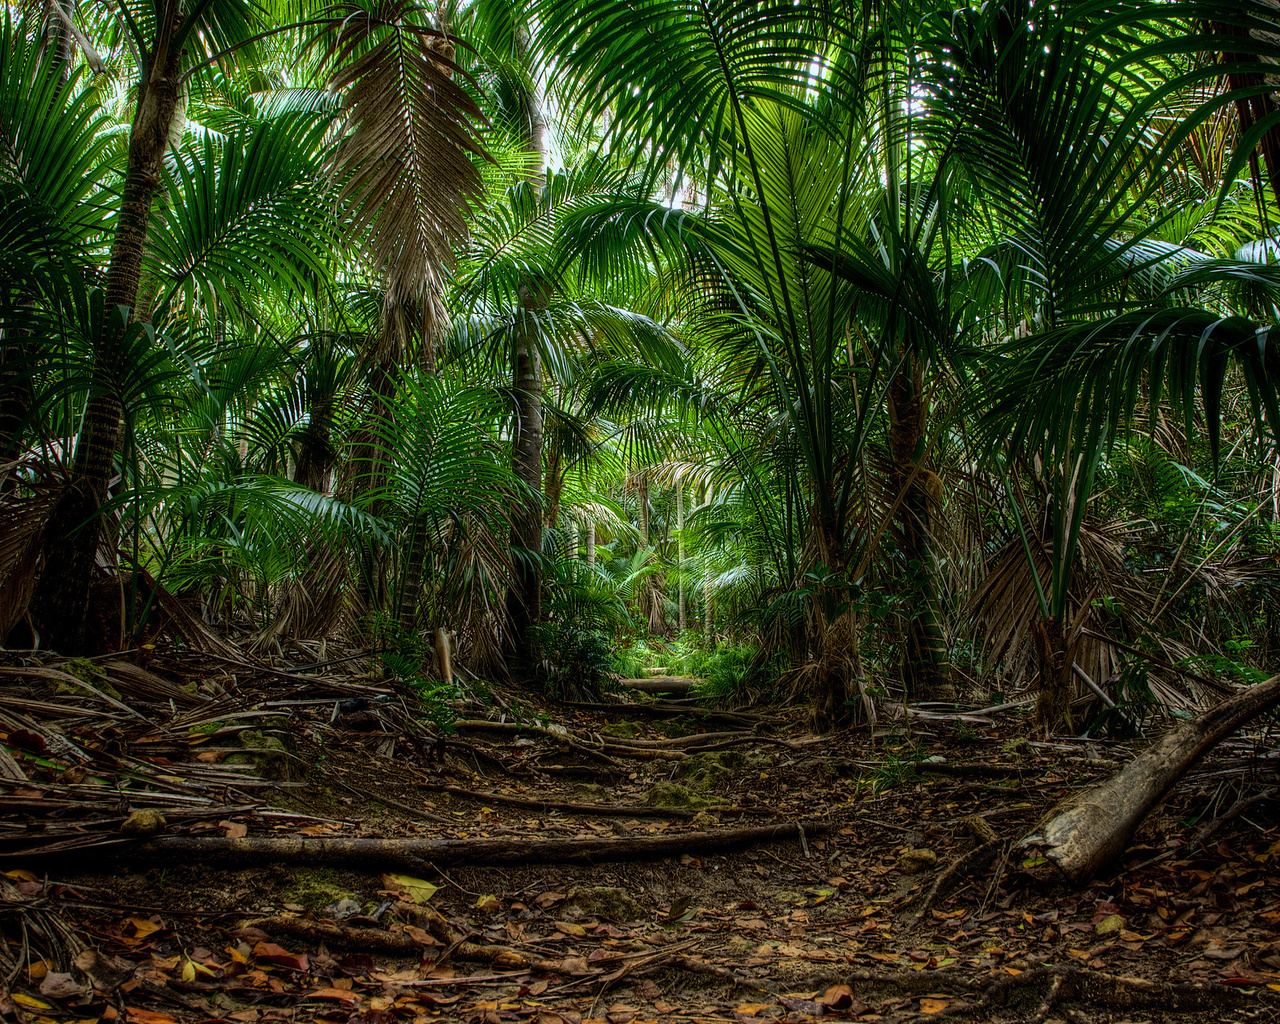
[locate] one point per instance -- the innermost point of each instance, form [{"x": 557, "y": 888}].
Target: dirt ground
[{"x": 884, "y": 891}]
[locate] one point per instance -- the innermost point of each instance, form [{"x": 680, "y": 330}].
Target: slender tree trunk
[
  {"x": 367, "y": 472},
  {"x": 415, "y": 560},
  {"x": 709, "y": 610},
  {"x": 591, "y": 544},
  {"x": 642, "y": 509},
  {"x": 680, "y": 550},
  {"x": 926, "y": 669},
  {"x": 524, "y": 598},
  {"x": 15, "y": 397},
  {"x": 62, "y": 599},
  {"x": 554, "y": 488}
]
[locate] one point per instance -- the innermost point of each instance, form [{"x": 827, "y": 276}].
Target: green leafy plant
[{"x": 579, "y": 660}]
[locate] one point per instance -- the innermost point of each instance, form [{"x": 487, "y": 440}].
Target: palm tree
[
  {"x": 403, "y": 107},
  {"x": 1066, "y": 157}
]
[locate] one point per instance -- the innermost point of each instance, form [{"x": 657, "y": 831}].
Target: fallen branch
[
  {"x": 1089, "y": 830},
  {"x": 421, "y": 854}
]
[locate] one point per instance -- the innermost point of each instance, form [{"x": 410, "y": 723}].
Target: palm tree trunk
[
  {"x": 554, "y": 488},
  {"x": 366, "y": 472},
  {"x": 926, "y": 668},
  {"x": 680, "y": 550},
  {"x": 1255, "y": 109},
  {"x": 524, "y": 598},
  {"x": 415, "y": 560},
  {"x": 832, "y": 644},
  {"x": 62, "y": 597},
  {"x": 15, "y": 398},
  {"x": 591, "y": 544},
  {"x": 1057, "y": 688}
]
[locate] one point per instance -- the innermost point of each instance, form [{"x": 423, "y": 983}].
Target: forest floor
[{"x": 189, "y": 842}]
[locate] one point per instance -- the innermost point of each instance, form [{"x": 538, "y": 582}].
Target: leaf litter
[{"x": 839, "y": 917}]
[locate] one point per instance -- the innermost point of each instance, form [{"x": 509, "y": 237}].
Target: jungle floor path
[{"x": 197, "y": 840}]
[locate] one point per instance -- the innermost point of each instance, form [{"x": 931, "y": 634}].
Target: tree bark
[
  {"x": 366, "y": 472},
  {"x": 75, "y": 526},
  {"x": 1089, "y": 830},
  {"x": 680, "y": 552},
  {"x": 926, "y": 668},
  {"x": 1057, "y": 685},
  {"x": 524, "y": 598},
  {"x": 1254, "y": 109}
]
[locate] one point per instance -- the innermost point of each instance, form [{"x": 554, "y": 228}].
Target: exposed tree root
[
  {"x": 677, "y": 686},
  {"x": 437, "y": 932},
  {"x": 977, "y": 859},
  {"x": 1113, "y": 991},
  {"x": 1054, "y": 986},
  {"x": 421, "y": 854},
  {"x": 599, "y": 810},
  {"x": 598, "y": 750}
]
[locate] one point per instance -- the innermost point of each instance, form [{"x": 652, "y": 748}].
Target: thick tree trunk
[
  {"x": 75, "y": 526},
  {"x": 1256, "y": 109},
  {"x": 832, "y": 644},
  {"x": 524, "y": 598},
  {"x": 316, "y": 455},
  {"x": 926, "y": 668},
  {"x": 1089, "y": 830},
  {"x": 1057, "y": 684}
]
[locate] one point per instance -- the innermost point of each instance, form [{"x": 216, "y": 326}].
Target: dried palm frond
[
  {"x": 406, "y": 163},
  {"x": 1006, "y": 605},
  {"x": 310, "y": 603},
  {"x": 22, "y": 525}
]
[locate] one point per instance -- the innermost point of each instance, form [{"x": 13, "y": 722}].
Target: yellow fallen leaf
[
  {"x": 140, "y": 927},
  {"x": 20, "y": 875},
  {"x": 190, "y": 969},
  {"x": 29, "y": 1002},
  {"x": 569, "y": 928},
  {"x": 418, "y": 890},
  {"x": 933, "y": 1005}
]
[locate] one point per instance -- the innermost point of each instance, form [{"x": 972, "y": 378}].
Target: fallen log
[
  {"x": 1089, "y": 830},
  {"x": 420, "y": 854}
]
